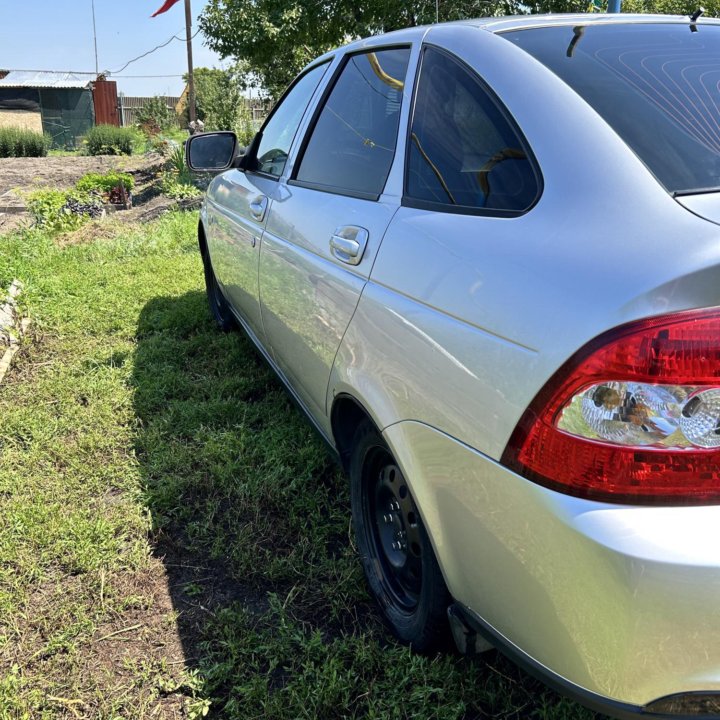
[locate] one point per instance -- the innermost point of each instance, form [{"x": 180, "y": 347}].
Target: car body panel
[
  {"x": 621, "y": 601},
  {"x": 706, "y": 205},
  {"x": 233, "y": 238},
  {"x": 308, "y": 295}
]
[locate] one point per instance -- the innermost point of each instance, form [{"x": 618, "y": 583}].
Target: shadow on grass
[{"x": 251, "y": 518}]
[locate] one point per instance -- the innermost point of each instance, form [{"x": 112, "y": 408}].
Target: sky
[{"x": 58, "y": 35}]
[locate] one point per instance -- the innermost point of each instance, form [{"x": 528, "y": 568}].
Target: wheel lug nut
[
  {"x": 387, "y": 519},
  {"x": 396, "y": 546}
]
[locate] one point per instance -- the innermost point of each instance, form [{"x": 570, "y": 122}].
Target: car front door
[
  {"x": 238, "y": 201},
  {"x": 325, "y": 227}
]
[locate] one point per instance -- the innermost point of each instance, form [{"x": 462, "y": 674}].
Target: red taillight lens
[{"x": 633, "y": 417}]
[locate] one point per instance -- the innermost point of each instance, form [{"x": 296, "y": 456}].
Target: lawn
[{"x": 174, "y": 539}]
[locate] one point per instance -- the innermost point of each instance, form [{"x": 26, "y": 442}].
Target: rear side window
[
  {"x": 280, "y": 129},
  {"x": 352, "y": 145},
  {"x": 656, "y": 84},
  {"x": 463, "y": 152}
]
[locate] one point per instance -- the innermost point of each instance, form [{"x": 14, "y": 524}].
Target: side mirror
[{"x": 211, "y": 152}]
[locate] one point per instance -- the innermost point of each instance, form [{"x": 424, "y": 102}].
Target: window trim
[
  {"x": 332, "y": 189},
  {"x": 412, "y": 202},
  {"x": 257, "y": 139}
]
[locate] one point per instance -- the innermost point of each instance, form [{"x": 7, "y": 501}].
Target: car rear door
[{"x": 325, "y": 227}]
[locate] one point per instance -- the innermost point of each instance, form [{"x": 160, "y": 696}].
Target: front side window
[
  {"x": 278, "y": 133},
  {"x": 352, "y": 145},
  {"x": 462, "y": 149}
]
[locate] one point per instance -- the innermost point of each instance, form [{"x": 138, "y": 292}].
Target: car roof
[
  {"x": 514, "y": 22},
  {"x": 525, "y": 22}
]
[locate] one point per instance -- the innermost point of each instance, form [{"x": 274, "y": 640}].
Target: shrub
[
  {"x": 18, "y": 142},
  {"x": 110, "y": 140},
  {"x": 106, "y": 182},
  {"x": 61, "y": 211},
  {"x": 155, "y": 116}
]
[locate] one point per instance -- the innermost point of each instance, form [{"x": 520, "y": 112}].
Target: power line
[
  {"x": 59, "y": 72},
  {"x": 149, "y": 52},
  {"x": 146, "y": 76},
  {"x": 116, "y": 73}
]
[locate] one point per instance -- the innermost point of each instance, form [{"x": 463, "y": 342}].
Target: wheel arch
[{"x": 346, "y": 415}]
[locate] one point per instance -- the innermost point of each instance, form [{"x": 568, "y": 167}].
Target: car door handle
[
  {"x": 348, "y": 244},
  {"x": 258, "y": 206}
]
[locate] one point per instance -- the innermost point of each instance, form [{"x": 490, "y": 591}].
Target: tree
[
  {"x": 220, "y": 100},
  {"x": 276, "y": 38}
]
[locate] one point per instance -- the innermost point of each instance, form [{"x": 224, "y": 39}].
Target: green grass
[{"x": 174, "y": 539}]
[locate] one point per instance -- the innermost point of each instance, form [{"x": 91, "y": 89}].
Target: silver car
[{"x": 484, "y": 257}]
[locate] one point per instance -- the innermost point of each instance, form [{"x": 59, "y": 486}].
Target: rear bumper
[
  {"x": 616, "y": 605},
  {"x": 692, "y": 706}
]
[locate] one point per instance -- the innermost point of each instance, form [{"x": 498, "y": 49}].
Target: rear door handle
[
  {"x": 258, "y": 206},
  {"x": 348, "y": 244}
]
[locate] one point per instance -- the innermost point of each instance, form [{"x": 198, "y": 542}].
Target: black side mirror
[{"x": 211, "y": 152}]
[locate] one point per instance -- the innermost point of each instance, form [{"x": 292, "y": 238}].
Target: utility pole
[
  {"x": 95, "y": 38},
  {"x": 191, "y": 80}
]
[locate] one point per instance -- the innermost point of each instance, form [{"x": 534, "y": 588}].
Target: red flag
[{"x": 165, "y": 7}]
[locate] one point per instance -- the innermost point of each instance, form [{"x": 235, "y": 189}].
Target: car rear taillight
[{"x": 632, "y": 417}]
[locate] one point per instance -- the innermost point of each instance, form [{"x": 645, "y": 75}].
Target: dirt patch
[
  {"x": 64, "y": 172},
  {"x": 135, "y": 649},
  {"x": 19, "y": 175}
]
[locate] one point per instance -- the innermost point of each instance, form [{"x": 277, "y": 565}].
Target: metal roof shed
[{"x": 64, "y": 102}]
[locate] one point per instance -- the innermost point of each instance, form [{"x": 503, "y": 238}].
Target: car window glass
[
  {"x": 352, "y": 145},
  {"x": 280, "y": 129},
  {"x": 463, "y": 150},
  {"x": 656, "y": 84}
]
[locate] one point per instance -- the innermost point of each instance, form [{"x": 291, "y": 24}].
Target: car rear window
[{"x": 657, "y": 85}]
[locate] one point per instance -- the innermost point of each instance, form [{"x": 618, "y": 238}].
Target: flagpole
[{"x": 191, "y": 80}]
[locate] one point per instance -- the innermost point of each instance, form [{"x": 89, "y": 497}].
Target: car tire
[
  {"x": 401, "y": 570},
  {"x": 219, "y": 307}
]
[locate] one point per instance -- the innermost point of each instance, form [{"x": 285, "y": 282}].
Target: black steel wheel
[
  {"x": 398, "y": 559},
  {"x": 219, "y": 308}
]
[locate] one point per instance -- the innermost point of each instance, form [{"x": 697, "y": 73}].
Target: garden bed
[{"x": 19, "y": 176}]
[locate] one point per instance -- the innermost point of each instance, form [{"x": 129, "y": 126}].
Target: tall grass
[{"x": 19, "y": 142}]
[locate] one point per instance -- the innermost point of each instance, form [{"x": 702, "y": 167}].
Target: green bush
[
  {"x": 106, "y": 182},
  {"x": 18, "y": 142},
  {"x": 155, "y": 117},
  {"x": 60, "y": 210},
  {"x": 110, "y": 140}
]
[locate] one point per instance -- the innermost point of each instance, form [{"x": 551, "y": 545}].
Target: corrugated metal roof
[{"x": 45, "y": 79}]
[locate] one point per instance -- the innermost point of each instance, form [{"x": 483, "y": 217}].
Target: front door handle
[
  {"x": 258, "y": 206},
  {"x": 348, "y": 244}
]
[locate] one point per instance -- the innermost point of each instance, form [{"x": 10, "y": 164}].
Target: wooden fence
[{"x": 129, "y": 106}]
